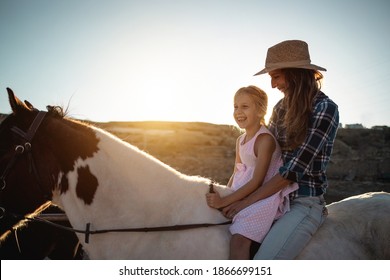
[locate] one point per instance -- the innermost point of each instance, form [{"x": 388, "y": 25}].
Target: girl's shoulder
[
  {"x": 265, "y": 135},
  {"x": 264, "y": 130}
]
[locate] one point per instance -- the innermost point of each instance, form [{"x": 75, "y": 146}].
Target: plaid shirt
[{"x": 307, "y": 164}]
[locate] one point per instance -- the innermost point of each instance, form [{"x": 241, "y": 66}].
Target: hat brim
[{"x": 306, "y": 66}]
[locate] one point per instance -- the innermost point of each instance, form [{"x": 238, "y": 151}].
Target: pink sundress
[{"x": 255, "y": 221}]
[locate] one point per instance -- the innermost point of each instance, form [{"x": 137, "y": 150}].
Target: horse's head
[{"x": 36, "y": 148}]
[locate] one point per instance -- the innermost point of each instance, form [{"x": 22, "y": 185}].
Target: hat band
[{"x": 287, "y": 64}]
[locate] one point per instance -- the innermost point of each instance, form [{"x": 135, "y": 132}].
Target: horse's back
[{"x": 356, "y": 228}]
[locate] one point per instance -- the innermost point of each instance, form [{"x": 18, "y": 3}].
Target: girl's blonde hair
[{"x": 259, "y": 97}]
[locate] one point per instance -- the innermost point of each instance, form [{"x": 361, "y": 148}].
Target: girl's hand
[{"x": 214, "y": 200}]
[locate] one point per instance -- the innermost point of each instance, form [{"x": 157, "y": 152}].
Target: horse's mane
[{"x": 57, "y": 111}]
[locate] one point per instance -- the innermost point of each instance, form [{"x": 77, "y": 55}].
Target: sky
[{"x": 184, "y": 60}]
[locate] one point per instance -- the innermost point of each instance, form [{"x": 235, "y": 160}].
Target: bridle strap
[
  {"x": 29, "y": 135},
  {"x": 20, "y": 149}
]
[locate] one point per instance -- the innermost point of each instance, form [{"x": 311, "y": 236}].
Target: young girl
[{"x": 258, "y": 158}]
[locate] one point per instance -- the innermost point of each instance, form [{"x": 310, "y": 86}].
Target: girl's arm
[
  {"x": 237, "y": 160},
  {"x": 229, "y": 184},
  {"x": 263, "y": 148}
]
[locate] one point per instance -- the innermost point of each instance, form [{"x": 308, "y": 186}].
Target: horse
[{"x": 122, "y": 202}]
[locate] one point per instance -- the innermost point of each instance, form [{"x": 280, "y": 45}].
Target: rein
[{"x": 87, "y": 232}]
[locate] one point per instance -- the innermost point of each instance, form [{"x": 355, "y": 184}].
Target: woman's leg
[
  {"x": 239, "y": 247},
  {"x": 290, "y": 234}
]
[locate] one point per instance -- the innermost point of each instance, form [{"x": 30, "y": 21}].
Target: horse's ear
[
  {"x": 29, "y": 105},
  {"x": 16, "y": 104}
]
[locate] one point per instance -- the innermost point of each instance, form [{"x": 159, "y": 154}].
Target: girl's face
[
  {"x": 278, "y": 80},
  {"x": 246, "y": 113}
]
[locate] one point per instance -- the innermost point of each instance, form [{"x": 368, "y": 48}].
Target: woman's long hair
[{"x": 302, "y": 87}]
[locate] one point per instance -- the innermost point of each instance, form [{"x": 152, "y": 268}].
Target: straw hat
[{"x": 289, "y": 54}]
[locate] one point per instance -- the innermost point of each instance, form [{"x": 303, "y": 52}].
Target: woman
[{"x": 304, "y": 123}]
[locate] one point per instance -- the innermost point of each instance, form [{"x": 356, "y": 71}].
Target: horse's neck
[
  {"x": 136, "y": 188},
  {"x": 135, "y": 167}
]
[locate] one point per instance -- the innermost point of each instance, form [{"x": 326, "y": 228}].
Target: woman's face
[{"x": 278, "y": 80}]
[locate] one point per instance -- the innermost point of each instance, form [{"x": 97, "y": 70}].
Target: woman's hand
[
  {"x": 231, "y": 210},
  {"x": 214, "y": 200}
]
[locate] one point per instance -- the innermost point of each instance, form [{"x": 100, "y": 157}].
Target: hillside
[{"x": 360, "y": 161}]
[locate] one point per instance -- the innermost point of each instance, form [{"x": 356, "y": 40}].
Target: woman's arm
[{"x": 271, "y": 187}]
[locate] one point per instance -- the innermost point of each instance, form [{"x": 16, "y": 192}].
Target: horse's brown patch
[
  {"x": 64, "y": 185},
  {"x": 87, "y": 184}
]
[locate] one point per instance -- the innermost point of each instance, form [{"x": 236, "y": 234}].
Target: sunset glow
[{"x": 183, "y": 61}]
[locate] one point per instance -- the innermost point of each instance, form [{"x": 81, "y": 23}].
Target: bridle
[{"x": 26, "y": 148}]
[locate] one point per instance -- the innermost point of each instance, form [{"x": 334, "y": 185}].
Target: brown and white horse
[{"x": 126, "y": 204}]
